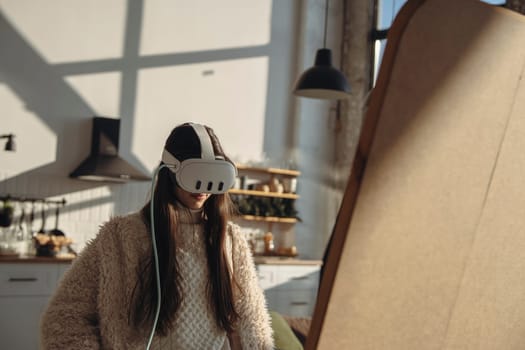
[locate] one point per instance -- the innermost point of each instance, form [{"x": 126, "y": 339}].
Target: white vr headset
[{"x": 206, "y": 174}]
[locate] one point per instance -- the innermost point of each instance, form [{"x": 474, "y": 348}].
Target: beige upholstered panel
[{"x": 434, "y": 255}]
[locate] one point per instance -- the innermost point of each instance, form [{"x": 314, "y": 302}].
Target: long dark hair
[{"x": 184, "y": 143}]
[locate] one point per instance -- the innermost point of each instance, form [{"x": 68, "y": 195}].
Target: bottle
[{"x": 269, "y": 246}]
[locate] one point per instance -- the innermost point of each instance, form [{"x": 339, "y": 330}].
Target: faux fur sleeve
[
  {"x": 71, "y": 318},
  {"x": 254, "y": 326}
]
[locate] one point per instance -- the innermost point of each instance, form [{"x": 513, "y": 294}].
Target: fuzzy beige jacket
[{"x": 90, "y": 307}]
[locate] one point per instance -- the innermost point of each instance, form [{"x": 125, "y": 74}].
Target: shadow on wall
[{"x": 43, "y": 89}]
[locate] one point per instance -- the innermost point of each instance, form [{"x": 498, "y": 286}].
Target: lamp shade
[{"x": 322, "y": 81}]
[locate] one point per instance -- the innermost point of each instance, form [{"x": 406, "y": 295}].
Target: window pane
[{"x": 386, "y": 12}]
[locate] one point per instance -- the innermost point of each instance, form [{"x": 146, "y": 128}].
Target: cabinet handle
[
  {"x": 23, "y": 279},
  {"x": 300, "y": 278},
  {"x": 296, "y": 303}
]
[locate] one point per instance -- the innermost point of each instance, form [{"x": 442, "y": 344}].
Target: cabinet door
[
  {"x": 296, "y": 303},
  {"x": 298, "y": 277},
  {"x": 19, "y": 321},
  {"x": 25, "y": 290},
  {"x": 27, "y": 279},
  {"x": 272, "y": 300},
  {"x": 62, "y": 269},
  {"x": 267, "y": 276},
  {"x": 290, "y": 289}
]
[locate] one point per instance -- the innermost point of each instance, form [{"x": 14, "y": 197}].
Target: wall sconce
[
  {"x": 323, "y": 81},
  {"x": 10, "y": 144}
]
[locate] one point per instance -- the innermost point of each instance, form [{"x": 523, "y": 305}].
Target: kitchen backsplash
[{"x": 85, "y": 210}]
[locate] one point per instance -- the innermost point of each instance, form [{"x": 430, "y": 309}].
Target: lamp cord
[{"x": 325, "y": 23}]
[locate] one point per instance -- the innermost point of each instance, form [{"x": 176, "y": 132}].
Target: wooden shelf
[
  {"x": 270, "y": 175},
  {"x": 273, "y": 171},
  {"x": 263, "y": 194},
  {"x": 269, "y": 219}
]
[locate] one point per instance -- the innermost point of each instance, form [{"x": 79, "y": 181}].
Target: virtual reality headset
[{"x": 207, "y": 174}]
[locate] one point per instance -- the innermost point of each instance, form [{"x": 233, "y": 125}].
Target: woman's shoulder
[
  {"x": 125, "y": 233},
  {"x": 123, "y": 226},
  {"x": 124, "y": 220},
  {"x": 234, "y": 230},
  {"x": 130, "y": 219}
]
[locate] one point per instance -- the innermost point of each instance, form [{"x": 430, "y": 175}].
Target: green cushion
[{"x": 283, "y": 335}]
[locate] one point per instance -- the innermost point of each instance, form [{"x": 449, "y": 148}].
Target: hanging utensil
[
  {"x": 20, "y": 236},
  {"x": 31, "y": 219},
  {"x": 43, "y": 214},
  {"x": 6, "y": 214},
  {"x": 56, "y": 231},
  {"x": 42, "y": 239}
]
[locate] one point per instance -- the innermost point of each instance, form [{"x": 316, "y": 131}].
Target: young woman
[{"x": 108, "y": 298}]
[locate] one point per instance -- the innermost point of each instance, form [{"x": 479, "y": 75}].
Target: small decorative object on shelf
[
  {"x": 290, "y": 252},
  {"x": 269, "y": 247}
]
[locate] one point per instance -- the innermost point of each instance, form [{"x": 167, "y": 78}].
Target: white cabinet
[
  {"x": 25, "y": 289},
  {"x": 290, "y": 289},
  {"x": 19, "y": 321}
]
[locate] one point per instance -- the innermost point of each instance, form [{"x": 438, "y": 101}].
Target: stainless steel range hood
[{"x": 104, "y": 163}]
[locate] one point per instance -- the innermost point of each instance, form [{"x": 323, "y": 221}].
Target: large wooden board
[{"x": 428, "y": 251}]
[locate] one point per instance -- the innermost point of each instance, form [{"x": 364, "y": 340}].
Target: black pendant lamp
[{"x": 323, "y": 81}]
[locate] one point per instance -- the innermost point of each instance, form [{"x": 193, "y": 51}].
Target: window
[{"x": 386, "y": 11}]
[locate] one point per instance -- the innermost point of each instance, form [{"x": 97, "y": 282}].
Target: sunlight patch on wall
[
  {"x": 229, "y": 96},
  {"x": 31, "y": 152},
  {"x": 199, "y": 25},
  {"x": 80, "y": 30},
  {"x": 100, "y": 91}
]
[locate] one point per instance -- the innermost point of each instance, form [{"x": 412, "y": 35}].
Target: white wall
[
  {"x": 155, "y": 64},
  {"x": 315, "y": 131}
]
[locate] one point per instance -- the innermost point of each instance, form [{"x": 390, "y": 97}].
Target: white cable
[{"x": 155, "y": 255}]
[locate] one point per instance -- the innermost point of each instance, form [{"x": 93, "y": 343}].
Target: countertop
[
  {"x": 35, "y": 259},
  {"x": 272, "y": 260},
  {"x": 68, "y": 259}
]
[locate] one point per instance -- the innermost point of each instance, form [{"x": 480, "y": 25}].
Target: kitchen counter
[
  {"x": 272, "y": 260},
  {"x": 68, "y": 259},
  {"x": 36, "y": 259}
]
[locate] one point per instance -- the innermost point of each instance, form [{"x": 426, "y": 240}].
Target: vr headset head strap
[
  {"x": 204, "y": 138},
  {"x": 172, "y": 162}
]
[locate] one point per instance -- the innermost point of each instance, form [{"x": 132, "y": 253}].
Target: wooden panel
[
  {"x": 425, "y": 252},
  {"x": 272, "y": 171},
  {"x": 263, "y": 194},
  {"x": 490, "y": 307}
]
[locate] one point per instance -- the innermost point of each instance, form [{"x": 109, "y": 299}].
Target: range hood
[{"x": 104, "y": 163}]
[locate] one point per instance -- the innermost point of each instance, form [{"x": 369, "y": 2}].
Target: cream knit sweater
[{"x": 90, "y": 307}]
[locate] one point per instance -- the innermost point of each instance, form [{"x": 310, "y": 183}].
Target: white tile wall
[{"x": 85, "y": 209}]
